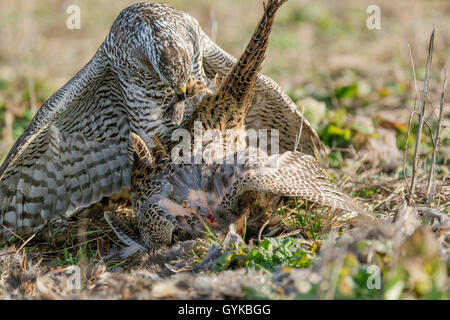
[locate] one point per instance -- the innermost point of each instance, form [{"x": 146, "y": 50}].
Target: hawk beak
[{"x": 181, "y": 93}]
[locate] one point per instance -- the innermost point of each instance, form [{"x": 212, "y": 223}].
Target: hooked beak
[{"x": 181, "y": 93}]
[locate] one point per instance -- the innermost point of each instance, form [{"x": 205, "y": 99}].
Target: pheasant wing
[{"x": 297, "y": 174}]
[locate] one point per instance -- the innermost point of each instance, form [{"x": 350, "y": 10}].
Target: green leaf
[{"x": 348, "y": 91}]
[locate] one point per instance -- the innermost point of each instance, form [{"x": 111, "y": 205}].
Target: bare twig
[
  {"x": 406, "y": 146},
  {"x": 414, "y": 75},
  {"x": 421, "y": 114},
  {"x": 262, "y": 229},
  {"x": 292, "y": 233},
  {"x": 410, "y": 119},
  {"x": 431, "y": 188},
  {"x": 392, "y": 195},
  {"x": 406, "y": 151},
  {"x": 13, "y": 233},
  {"x": 26, "y": 242},
  {"x": 430, "y": 131},
  {"x": 299, "y": 135}
]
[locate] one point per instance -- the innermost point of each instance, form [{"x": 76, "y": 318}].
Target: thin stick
[
  {"x": 406, "y": 151},
  {"x": 14, "y": 234},
  {"x": 410, "y": 119},
  {"x": 431, "y": 188},
  {"x": 414, "y": 75},
  {"x": 421, "y": 113},
  {"x": 292, "y": 233},
  {"x": 262, "y": 229},
  {"x": 299, "y": 136},
  {"x": 26, "y": 242}
]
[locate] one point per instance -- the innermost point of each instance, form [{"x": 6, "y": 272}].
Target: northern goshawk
[{"x": 76, "y": 149}]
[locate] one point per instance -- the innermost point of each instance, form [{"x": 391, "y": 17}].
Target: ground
[{"x": 357, "y": 88}]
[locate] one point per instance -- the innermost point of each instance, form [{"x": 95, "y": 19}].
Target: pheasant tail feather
[{"x": 241, "y": 80}]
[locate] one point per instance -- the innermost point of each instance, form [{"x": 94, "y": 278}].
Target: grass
[{"x": 269, "y": 254}]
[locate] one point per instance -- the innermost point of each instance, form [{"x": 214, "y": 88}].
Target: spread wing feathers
[
  {"x": 74, "y": 152},
  {"x": 298, "y": 175},
  {"x": 271, "y": 107}
]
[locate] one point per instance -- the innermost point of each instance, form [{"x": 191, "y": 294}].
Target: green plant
[
  {"x": 270, "y": 253},
  {"x": 70, "y": 259}
]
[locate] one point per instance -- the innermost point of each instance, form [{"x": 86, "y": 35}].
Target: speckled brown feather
[
  {"x": 240, "y": 81},
  {"x": 217, "y": 195},
  {"x": 228, "y": 106}
]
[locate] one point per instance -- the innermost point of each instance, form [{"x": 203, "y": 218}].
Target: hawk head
[{"x": 152, "y": 40}]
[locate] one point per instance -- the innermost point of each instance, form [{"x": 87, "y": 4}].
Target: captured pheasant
[
  {"x": 76, "y": 149},
  {"x": 175, "y": 201}
]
